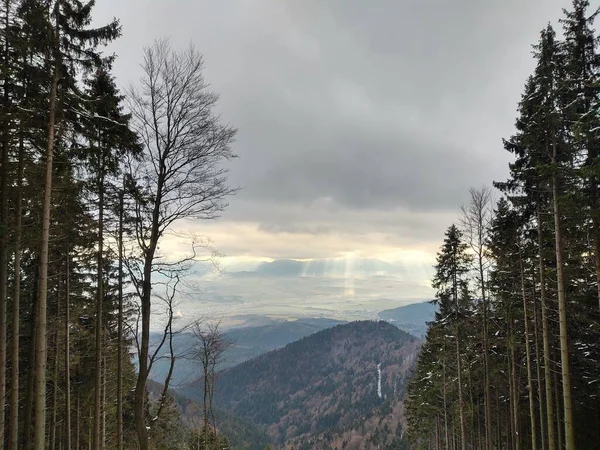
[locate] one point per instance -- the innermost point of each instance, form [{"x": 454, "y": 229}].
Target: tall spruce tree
[
  {"x": 66, "y": 43},
  {"x": 109, "y": 140},
  {"x": 450, "y": 278}
]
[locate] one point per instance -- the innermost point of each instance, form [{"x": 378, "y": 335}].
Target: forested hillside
[
  {"x": 247, "y": 343},
  {"x": 512, "y": 359},
  {"x": 323, "y": 391},
  {"x": 91, "y": 180}
]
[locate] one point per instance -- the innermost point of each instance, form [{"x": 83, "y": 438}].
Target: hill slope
[
  {"x": 323, "y": 391},
  {"x": 249, "y": 342}
]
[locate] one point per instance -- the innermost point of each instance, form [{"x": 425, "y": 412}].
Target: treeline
[
  {"x": 512, "y": 359},
  {"x": 91, "y": 180}
]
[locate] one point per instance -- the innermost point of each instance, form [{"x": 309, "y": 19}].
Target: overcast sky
[{"x": 362, "y": 123}]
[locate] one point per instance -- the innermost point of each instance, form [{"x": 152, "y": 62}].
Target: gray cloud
[{"x": 354, "y": 116}]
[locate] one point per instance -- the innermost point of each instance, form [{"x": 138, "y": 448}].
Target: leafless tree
[
  {"x": 476, "y": 219},
  {"x": 167, "y": 339},
  {"x": 211, "y": 345},
  {"x": 180, "y": 176}
]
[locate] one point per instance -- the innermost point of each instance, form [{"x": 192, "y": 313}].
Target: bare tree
[
  {"x": 475, "y": 222},
  {"x": 171, "y": 290},
  {"x": 209, "y": 352},
  {"x": 179, "y": 176}
]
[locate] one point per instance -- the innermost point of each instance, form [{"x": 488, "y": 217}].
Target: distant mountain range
[
  {"x": 341, "y": 387},
  {"x": 249, "y": 342},
  {"x": 411, "y": 318},
  {"x": 335, "y": 267}
]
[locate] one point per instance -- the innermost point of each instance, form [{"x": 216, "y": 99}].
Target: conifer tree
[
  {"x": 66, "y": 45},
  {"x": 543, "y": 322},
  {"x": 449, "y": 280},
  {"x": 109, "y": 139}
]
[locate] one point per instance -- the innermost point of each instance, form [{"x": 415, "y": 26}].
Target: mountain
[
  {"x": 341, "y": 387},
  {"x": 249, "y": 342},
  {"x": 411, "y": 318}
]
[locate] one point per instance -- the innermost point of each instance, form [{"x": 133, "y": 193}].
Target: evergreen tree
[
  {"x": 452, "y": 266},
  {"x": 543, "y": 284},
  {"x": 109, "y": 139}
]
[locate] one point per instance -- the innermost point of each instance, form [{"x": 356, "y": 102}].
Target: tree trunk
[
  {"x": 486, "y": 364},
  {"x": 103, "y": 440},
  {"x": 211, "y": 395},
  {"x": 205, "y": 398},
  {"x": 41, "y": 343},
  {"x": 3, "y": 285},
  {"x": 438, "y": 439},
  {"x": 97, "y": 444},
  {"x": 558, "y": 425},
  {"x": 471, "y": 407},
  {"x": 4, "y": 237},
  {"x": 498, "y": 422},
  {"x": 446, "y": 434},
  {"x": 140, "y": 387},
  {"x": 16, "y": 318},
  {"x": 29, "y": 397},
  {"x": 597, "y": 257},
  {"x": 510, "y": 439},
  {"x": 91, "y": 437},
  {"x": 78, "y": 418},
  {"x": 562, "y": 313},
  {"x": 534, "y": 444},
  {"x": 515, "y": 391},
  {"x": 55, "y": 377},
  {"x": 120, "y": 333},
  {"x": 461, "y": 405},
  {"x": 538, "y": 369},
  {"x": 67, "y": 356},
  {"x": 546, "y": 338}
]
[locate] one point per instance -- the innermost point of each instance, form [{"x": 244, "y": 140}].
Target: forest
[
  {"x": 91, "y": 181},
  {"x": 94, "y": 179},
  {"x": 512, "y": 358}
]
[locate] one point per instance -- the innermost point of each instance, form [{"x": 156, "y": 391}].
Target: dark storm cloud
[
  {"x": 361, "y": 171},
  {"x": 353, "y": 105}
]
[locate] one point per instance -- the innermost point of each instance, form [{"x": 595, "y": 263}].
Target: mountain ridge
[
  {"x": 320, "y": 391},
  {"x": 412, "y": 318}
]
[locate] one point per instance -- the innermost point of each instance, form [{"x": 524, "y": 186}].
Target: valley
[{"x": 310, "y": 383}]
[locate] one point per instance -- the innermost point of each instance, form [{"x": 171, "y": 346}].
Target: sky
[{"x": 362, "y": 125}]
